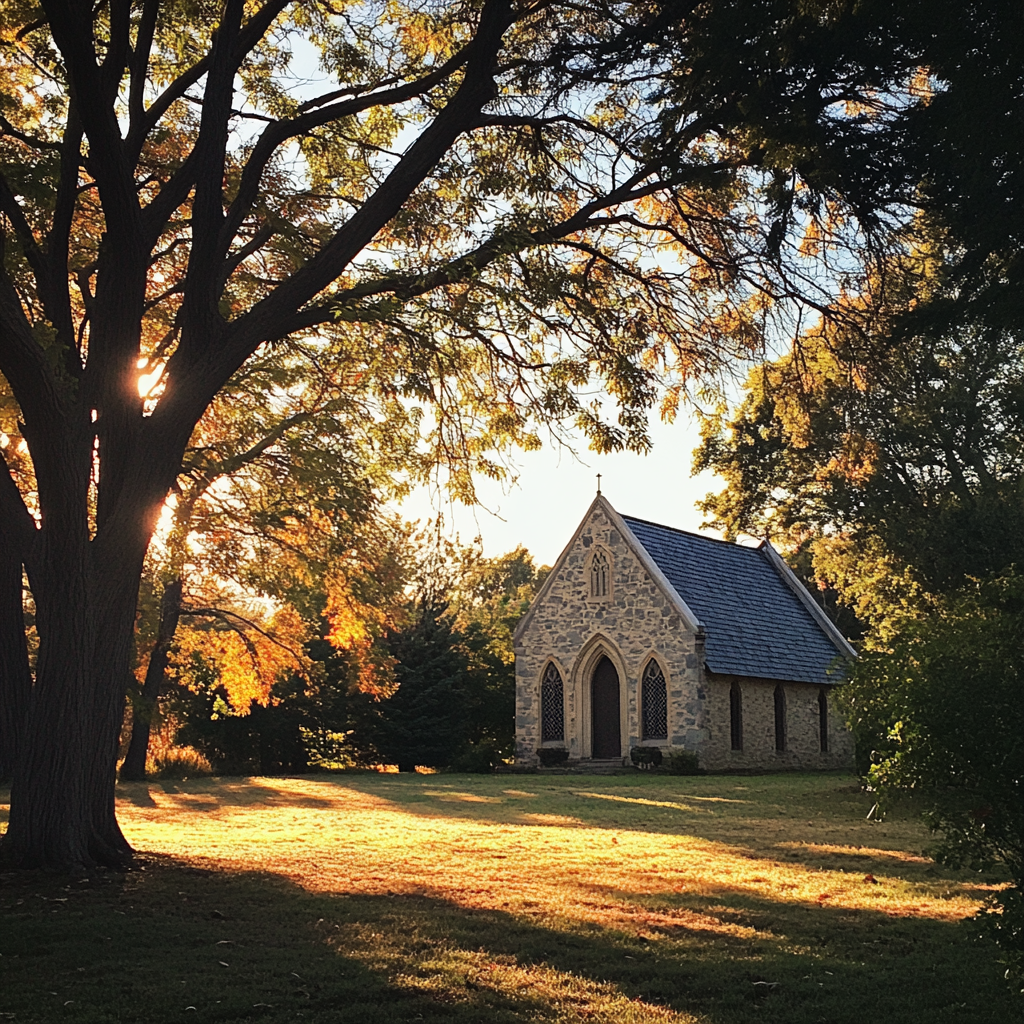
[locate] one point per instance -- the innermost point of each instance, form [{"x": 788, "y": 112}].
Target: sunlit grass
[
  {"x": 621, "y": 898},
  {"x": 483, "y": 845}
]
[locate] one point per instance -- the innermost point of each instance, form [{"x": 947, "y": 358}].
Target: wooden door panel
[{"x": 604, "y": 711}]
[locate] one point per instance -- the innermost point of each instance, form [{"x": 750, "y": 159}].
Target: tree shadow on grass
[
  {"x": 214, "y": 792},
  {"x": 247, "y": 947}
]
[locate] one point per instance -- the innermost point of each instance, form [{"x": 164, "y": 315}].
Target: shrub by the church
[
  {"x": 683, "y": 762},
  {"x": 551, "y": 757},
  {"x": 646, "y": 758}
]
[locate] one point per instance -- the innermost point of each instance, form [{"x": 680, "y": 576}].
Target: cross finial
[{"x": 598, "y": 483}]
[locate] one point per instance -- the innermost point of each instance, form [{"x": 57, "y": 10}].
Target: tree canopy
[{"x": 487, "y": 215}]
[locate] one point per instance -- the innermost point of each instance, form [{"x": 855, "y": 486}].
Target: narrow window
[
  {"x": 823, "y": 720},
  {"x": 780, "y": 719},
  {"x": 654, "y": 703},
  {"x": 736, "y": 716},
  {"x": 552, "y": 706},
  {"x": 599, "y": 575}
]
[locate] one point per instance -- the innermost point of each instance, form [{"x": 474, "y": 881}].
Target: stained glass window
[
  {"x": 552, "y": 706},
  {"x": 599, "y": 575},
  {"x": 654, "y": 702}
]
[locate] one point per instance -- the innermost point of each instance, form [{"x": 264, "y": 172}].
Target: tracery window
[
  {"x": 654, "y": 702},
  {"x": 599, "y": 573},
  {"x": 736, "y": 716},
  {"x": 780, "y": 719},
  {"x": 823, "y": 720},
  {"x": 552, "y": 705}
]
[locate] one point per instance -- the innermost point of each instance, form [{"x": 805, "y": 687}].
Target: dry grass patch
[{"x": 623, "y": 898}]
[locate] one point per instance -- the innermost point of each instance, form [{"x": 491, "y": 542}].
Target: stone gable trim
[
  {"x": 692, "y": 623},
  {"x": 778, "y": 563}
]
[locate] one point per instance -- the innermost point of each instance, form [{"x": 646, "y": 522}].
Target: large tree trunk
[
  {"x": 62, "y": 796},
  {"x": 15, "y": 676},
  {"x": 145, "y": 706}
]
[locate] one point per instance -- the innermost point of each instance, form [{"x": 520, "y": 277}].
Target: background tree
[
  {"x": 453, "y": 703},
  {"x": 432, "y": 681},
  {"x": 281, "y": 484},
  {"x": 900, "y": 467},
  {"x": 907, "y": 459}
]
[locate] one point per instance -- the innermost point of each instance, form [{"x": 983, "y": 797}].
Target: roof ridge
[{"x": 689, "y": 533}]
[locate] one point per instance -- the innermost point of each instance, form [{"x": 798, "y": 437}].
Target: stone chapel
[{"x": 643, "y": 635}]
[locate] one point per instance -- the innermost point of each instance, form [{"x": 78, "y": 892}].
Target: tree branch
[
  {"x": 58, "y": 241},
  {"x": 92, "y": 92},
  {"x": 23, "y": 362},
  {"x": 281, "y": 131},
  {"x": 139, "y": 67},
  {"x": 177, "y": 188},
  {"x": 469, "y": 266},
  {"x": 226, "y": 617},
  {"x": 15, "y": 519},
  {"x": 14, "y": 213},
  {"x": 269, "y": 316}
]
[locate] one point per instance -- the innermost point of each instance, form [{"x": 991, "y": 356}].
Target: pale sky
[{"x": 555, "y": 490}]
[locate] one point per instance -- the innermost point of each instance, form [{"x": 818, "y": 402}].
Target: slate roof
[{"x": 755, "y": 624}]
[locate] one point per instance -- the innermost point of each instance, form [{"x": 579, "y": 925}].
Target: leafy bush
[
  {"x": 478, "y": 758},
  {"x": 683, "y": 762},
  {"x": 178, "y": 763},
  {"x": 949, "y": 696},
  {"x": 550, "y": 757},
  {"x": 646, "y": 758}
]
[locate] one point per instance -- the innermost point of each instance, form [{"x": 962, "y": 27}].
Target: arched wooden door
[{"x": 604, "y": 711}]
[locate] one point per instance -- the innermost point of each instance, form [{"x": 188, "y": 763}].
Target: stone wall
[
  {"x": 633, "y": 622},
  {"x": 803, "y": 744}
]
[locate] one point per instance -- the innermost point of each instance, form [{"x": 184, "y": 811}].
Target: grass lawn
[{"x": 378, "y": 898}]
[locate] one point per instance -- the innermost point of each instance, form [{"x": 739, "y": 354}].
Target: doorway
[{"x": 604, "y": 711}]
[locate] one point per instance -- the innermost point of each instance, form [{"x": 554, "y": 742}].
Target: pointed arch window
[
  {"x": 600, "y": 571},
  {"x": 654, "y": 702},
  {"x": 780, "y": 719},
  {"x": 552, "y": 706},
  {"x": 823, "y": 719},
  {"x": 736, "y": 716}
]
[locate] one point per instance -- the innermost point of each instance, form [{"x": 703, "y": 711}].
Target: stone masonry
[{"x": 803, "y": 741}]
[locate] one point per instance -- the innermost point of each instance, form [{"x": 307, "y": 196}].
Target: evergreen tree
[{"x": 426, "y": 720}]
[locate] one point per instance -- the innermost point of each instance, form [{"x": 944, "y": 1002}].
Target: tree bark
[
  {"x": 15, "y": 675},
  {"x": 145, "y": 706},
  {"x": 62, "y": 794}
]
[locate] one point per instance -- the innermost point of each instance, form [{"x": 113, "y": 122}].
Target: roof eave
[{"x": 789, "y": 578}]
